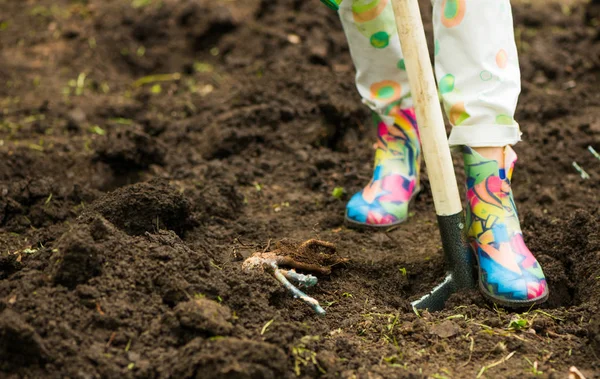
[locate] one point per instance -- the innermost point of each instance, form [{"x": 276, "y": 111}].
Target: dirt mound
[
  {"x": 40, "y": 202},
  {"x": 130, "y": 150},
  {"x": 216, "y": 195},
  {"x": 77, "y": 258},
  {"x": 21, "y": 345},
  {"x": 227, "y": 358},
  {"x": 146, "y": 207},
  {"x": 205, "y": 317}
]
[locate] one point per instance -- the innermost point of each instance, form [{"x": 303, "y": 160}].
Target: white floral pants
[{"x": 476, "y": 65}]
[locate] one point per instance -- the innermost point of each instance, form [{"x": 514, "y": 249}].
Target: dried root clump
[{"x": 313, "y": 256}]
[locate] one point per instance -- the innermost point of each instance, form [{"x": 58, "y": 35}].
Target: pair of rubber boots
[{"x": 509, "y": 274}]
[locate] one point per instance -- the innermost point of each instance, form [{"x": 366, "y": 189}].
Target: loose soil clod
[
  {"x": 146, "y": 207},
  {"x": 20, "y": 345}
]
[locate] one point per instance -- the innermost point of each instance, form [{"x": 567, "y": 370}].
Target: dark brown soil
[{"x": 128, "y": 203}]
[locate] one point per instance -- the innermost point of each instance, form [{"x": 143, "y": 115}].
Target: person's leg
[
  {"x": 383, "y": 85},
  {"x": 375, "y": 49},
  {"x": 478, "y": 75},
  {"x": 477, "y": 67}
]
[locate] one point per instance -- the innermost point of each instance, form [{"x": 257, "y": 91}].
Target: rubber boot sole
[{"x": 508, "y": 303}]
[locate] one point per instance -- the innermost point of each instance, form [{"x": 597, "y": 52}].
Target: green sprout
[
  {"x": 157, "y": 78},
  {"x": 97, "y": 130},
  {"x": 534, "y": 367},
  {"x": 518, "y": 323},
  {"x": 80, "y": 84},
  {"x": 203, "y": 67},
  {"x": 156, "y": 89},
  {"x": 140, "y": 3},
  {"x": 338, "y": 192},
  {"x": 266, "y": 326},
  {"x": 303, "y": 356}
]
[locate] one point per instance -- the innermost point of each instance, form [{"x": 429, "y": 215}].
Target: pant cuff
[
  {"x": 485, "y": 135},
  {"x": 383, "y": 110}
]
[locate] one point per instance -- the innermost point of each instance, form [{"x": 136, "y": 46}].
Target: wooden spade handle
[{"x": 427, "y": 107}]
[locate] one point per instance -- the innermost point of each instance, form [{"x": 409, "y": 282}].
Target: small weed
[
  {"x": 156, "y": 89},
  {"x": 522, "y": 321},
  {"x": 97, "y": 130},
  {"x": 40, "y": 10},
  {"x": 140, "y": 3},
  {"x": 75, "y": 86},
  {"x": 80, "y": 84},
  {"x": 203, "y": 67},
  {"x": 347, "y": 294},
  {"x": 121, "y": 121},
  {"x": 402, "y": 270},
  {"x": 549, "y": 315},
  {"x": 485, "y": 368},
  {"x": 392, "y": 322},
  {"x": 338, "y": 192},
  {"x": 518, "y": 323},
  {"x": 278, "y": 207},
  {"x": 534, "y": 367},
  {"x": 33, "y": 118},
  {"x": 157, "y": 78},
  {"x": 394, "y": 361},
  {"x": 29, "y": 251},
  {"x": 303, "y": 356},
  {"x": 266, "y": 326},
  {"x": 33, "y": 146}
]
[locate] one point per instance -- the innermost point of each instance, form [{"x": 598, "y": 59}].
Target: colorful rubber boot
[
  {"x": 508, "y": 273},
  {"x": 384, "y": 201}
]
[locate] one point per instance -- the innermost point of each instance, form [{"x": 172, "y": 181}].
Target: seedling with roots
[{"x": 313, "y": 256}]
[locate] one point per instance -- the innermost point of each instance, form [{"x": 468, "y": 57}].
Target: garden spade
[{"x": 448, "y": 207}]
